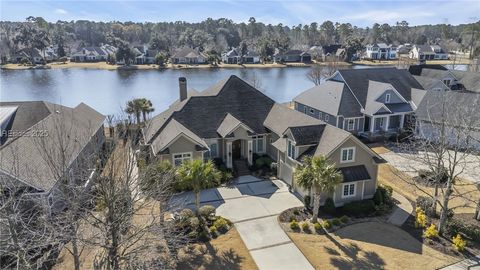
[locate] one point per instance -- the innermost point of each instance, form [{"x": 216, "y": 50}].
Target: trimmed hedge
[
  {"x": 329, "y": 206},
  {"x": 359, "y": 208},
  {"x": 456, "y": 226}
]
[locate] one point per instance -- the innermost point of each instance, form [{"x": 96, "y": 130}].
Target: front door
[{"x": 237, "y": 149}]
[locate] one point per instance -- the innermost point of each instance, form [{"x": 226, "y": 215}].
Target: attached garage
[{"x": 286, "y": 173}]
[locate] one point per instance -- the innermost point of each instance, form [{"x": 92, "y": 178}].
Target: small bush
[
  {"x": 204, "y": 236},
  {"x": 344, "y": 219},
  {"x": 305, "y": 227},
  {"x": 292, "y": 218},
  {"x": 296, "y": 212},
  {"x": 329, "y": 206},
  {"x": 213, "y": 230},
  {"x": 458, "y": 243},
  {"x": 327, "y": 224},
  {"x": 317, "y": 226},
  {"x": 221, "y": 224},
  {"x": 193, "y": 223},
  {"x": 420, "y": 218},
  {"x": 431, "y": 231},
  {"x": 207, "y": 211},
  {"x": 359, "y": 208},
  {"x": 426, "y": 204},
  {"x": 294, "y": 225},
  {"x": 186, "y": 213},
  {"x": 259, "y": 163},
  {"x": 307, "y": 200},
  {"x": 336, "y": 222},
  {"x": 383, "y": 195}
]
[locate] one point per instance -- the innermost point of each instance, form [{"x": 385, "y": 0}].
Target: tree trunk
[
  {"x": 444, "y": 213},
  {"x": 197, "y": 200},
  {"x": 144, "y": 116},
  {"x": 137, "y": 114},
  {"x": 76, "y": 256},
  {"x": 316, "y": 207}
]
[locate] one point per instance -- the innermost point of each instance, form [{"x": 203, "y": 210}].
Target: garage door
[{"x": 286, "y": 173}]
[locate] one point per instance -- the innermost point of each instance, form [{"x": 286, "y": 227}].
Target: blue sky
[{"x": 292, "y": 12}]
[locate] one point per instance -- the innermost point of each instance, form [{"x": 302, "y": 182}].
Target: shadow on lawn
[
  {"x": 208, "y": 257},
  {"x": 355, "y": 257}
]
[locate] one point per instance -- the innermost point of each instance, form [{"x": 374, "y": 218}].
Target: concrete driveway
[{"x": 253, "y": 206}]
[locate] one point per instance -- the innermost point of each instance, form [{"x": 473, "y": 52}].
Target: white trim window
[
  {"x": 259, "y": 144},
  {"x": 387, "y": 98},
  {"x": 291, "y": 149},
  {"x": 347, "y": 155},
  {"x": 327, "y": 117},
  {"x": 381, "y": 122},
  {"x": 349, "y": 190},
  {"x": 305, "y": 109},
  {"x": 350, "y": 124},
  {"x": 179, "y": 158},
  {"x": 447, "y": 82}
]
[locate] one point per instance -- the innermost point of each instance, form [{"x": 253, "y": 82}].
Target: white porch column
[
  {"x": 229, "y": 155},
  {"x": 402, "y": 120},
  {"x": 250, "y": 151},
  {"x": 372, "y": 124},
  {"x": 387, "y": 123}
]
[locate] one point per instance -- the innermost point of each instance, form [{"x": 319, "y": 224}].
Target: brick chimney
[{"x": 182, "y": 82}]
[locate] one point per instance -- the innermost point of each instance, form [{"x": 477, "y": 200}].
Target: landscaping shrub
[
  {"x": 294, "y": 225},
  {"x": 186, "y": 214},
  {"x": 430, "y": 177},
  {"x": 207, "y": 211},
  {"x": 213, "y": 230},
  {"x": 344, "y": 219},
  {"x": 420, "y": 218},
  {"x": 458, "y": 243},
  {"x": 221, "y": 224},
  {"x": 431, "y": 232},
  {"x": 305, "y": 227},
  {"x": 327, "y": 224},
  {"x": 383, "y": 195},
  {"x": 292, "y": 218},
  {"x": 317, "y": 226},
  {"x": 193, "y": 223},
  {"x": 307, "y": 200},
  {"x": 259, "y": 163},
  {"x": 455, "y": 226},
  {"x": 204, "y": 236},
  {"x": 296, "y": 212},
  {"x": 359, "y": 208},
  {"x": 426, "y": 204},
  {"x": 329, "y": 206},
  {"x": 336, "y": 222}
]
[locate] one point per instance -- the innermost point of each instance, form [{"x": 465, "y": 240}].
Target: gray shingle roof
[
  {"x": 280, "y": 118},
  {"x": 325, "y": 97},
  {"x": 25, "y": 157},
  {"x": 354, "y": 173},
  {"x": 306, "y": 135},
  {"x": 229, "y": 124},
  {"x": 358, "y": 81}
]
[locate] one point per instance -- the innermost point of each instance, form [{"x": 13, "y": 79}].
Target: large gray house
[
  {"x": 41, "y": 142},
  {"x": 363, "y": 101},
  {"x": 232, "y": 121}
]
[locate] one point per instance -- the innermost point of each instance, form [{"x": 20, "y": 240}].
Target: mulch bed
[
  {"x": 299, "y": 213},
  {"x": 441, "y": 244}
]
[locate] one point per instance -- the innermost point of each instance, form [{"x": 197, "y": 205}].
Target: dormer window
[
  {"x": 291, "y": 149},
  {"x": 347, "y": 155},
  {"x": 447, "y": 82},
  {"x": 387, "y": 98}
]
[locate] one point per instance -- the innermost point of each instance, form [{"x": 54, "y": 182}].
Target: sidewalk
[{"x": 402, "y": 210}]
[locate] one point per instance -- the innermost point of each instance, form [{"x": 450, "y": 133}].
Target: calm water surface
[{"x": 107, "y": 91}]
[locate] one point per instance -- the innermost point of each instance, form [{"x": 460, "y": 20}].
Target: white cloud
[
  {"x": 60, "y": 11},
  {"x": 385, "y": 15}
]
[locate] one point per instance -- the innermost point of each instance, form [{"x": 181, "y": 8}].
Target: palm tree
[
  {"x": 318, "y": 175},
  {"x": 198, "y": 175},
  {"x": 134, "y": 107},
  {"x": 146, "y": 107}
]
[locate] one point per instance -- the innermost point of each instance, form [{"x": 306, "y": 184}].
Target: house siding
[
  {"x": 181, "y": 145},
  {"x": 332, "y": 119}
]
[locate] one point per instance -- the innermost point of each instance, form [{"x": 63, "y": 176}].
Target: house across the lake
[
  {"x": 428, "y": 52},
  {"x": 39, "y": 139},
  {"x": 292, "y": 56},
  {"x": 143, "y": 55},
  {"x": 188, "y": 56},
  {"x": 93, "y": 54},
  {"x": 363, "y": 101},
  {"x": 381, "y": 51},
  {"x": 234, "y": 122},
  {"x": 234, "y": 56}
]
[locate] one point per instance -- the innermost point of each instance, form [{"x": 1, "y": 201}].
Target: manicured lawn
[
  {"x": 369, "y": 245},
  {"x": 225, "y": 252}
]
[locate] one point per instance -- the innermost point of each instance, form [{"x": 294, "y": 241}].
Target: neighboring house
[
  {"x": 26, "y": 54},
  {"x": 428, "y": 52},
  {"x": 455, "y": 79},
  {"x": 232, "y": 57},
  {"x": 381, "y": 51},
  {"x": 455, "y": 114},
  {"x": 188, "y": 56},
  {"x": 404, "y": 48},
  {"x": 251, "y": 57},
  {"x": 292, "y": 56},
  {"x": 417, "y": 69},
  {"x": 93, "y": 54},
  {"x": 316, "y": 52},
  {"x": 362, "y": 101},
  {"x": 143, "y": 55},
  {"x": 431, "y": 83},
  {"x": 232, "y": 121},
  {"x": 35, "y": 137}
]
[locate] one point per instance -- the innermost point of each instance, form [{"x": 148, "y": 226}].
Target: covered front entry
[{"x": 237, "y": 149}]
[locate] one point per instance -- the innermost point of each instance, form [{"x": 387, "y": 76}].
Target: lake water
[{"x": 107, "y": 91}]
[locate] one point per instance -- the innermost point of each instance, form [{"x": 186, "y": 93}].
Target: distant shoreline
[{"x": 105, "y": 66}]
